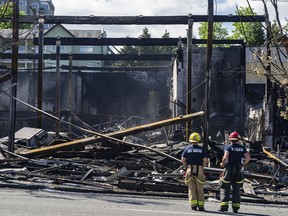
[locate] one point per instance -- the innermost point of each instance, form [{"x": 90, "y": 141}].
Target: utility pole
[
  {"x": 40, "y": 66},
  {"x": 14, "y": 67},
  {"x": 57, "y": 102},
  {"x": 189, "y": 76},
  {"x": 208, "y": 72}
]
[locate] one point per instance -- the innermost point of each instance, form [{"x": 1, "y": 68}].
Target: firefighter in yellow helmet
[{"x": 194, "y": 158}]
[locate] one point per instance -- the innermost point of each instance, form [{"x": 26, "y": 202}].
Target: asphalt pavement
[{"x": 19, "y": 202}]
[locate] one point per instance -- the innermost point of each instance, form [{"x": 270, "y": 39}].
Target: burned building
[{"x": 107, "y": 99}]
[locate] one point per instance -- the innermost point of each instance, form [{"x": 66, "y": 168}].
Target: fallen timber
[
  {"x": 102, "y": 137},
  {"x": 246, "y": 173},
  {"x": 275, "y": 158}
]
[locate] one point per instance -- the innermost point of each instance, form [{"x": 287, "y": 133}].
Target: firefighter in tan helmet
[{"x": 194, "y": 158}]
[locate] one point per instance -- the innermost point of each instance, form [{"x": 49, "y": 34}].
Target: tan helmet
[{"x": 195, "y": 137}]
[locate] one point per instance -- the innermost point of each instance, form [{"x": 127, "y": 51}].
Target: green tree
[
  {"x": 145, "y": 50},
  {"x": 6, "y": 11},
  {"x": 219, "y": 32},
  {"x": 166, "y": 49},
  {"x": 252, "y": 33}
]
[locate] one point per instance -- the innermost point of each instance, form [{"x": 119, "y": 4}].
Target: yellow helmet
[{"x": 195, "y": 137}]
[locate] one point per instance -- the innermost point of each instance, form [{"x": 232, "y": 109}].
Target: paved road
[{"x": 55, "y": 203}]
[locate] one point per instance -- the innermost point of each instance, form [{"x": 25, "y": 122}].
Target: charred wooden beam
[
  {"x": 116, "y": 57},
  {"x": 275, "y": 158},
  {"x": 139, "y": 69},
  {"x": 138, "y": 20},
  {"x": 5, "y": 77},
  {"x": 114, "y": 41},
  {"x": 97, "y": 57},
  {"x": 62, "y": 179},
  {"x": 130, "y": 41},
  {"x": 50, "y": 168},
  {"x": 144, "y": 184},
  {"x": 246, "y": 174},
  {"x": 126, "y": 132}
]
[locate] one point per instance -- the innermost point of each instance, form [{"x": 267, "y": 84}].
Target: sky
[{"x": 153, "y": 8}]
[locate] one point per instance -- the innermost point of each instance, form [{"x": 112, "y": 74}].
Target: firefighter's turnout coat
[
  {"x": 195, "y": 177},
  {"x": 232, "y": 176}
]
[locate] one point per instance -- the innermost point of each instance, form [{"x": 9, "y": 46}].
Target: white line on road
[{"x": 160, "y": 212}]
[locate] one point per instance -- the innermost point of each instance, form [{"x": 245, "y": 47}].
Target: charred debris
[{"x": 139, "y": 160}]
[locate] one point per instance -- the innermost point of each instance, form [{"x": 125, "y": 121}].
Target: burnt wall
[
  {"x": 100, "y": 99},
  {"x": 226, "y": 99}
]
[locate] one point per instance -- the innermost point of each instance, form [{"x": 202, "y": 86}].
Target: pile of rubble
[{"x": 104, "y": 163}]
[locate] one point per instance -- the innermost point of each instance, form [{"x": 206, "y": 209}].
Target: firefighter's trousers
[
  {"x": 195, "y": 180},
  {"x": 230, "y": 178}
]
